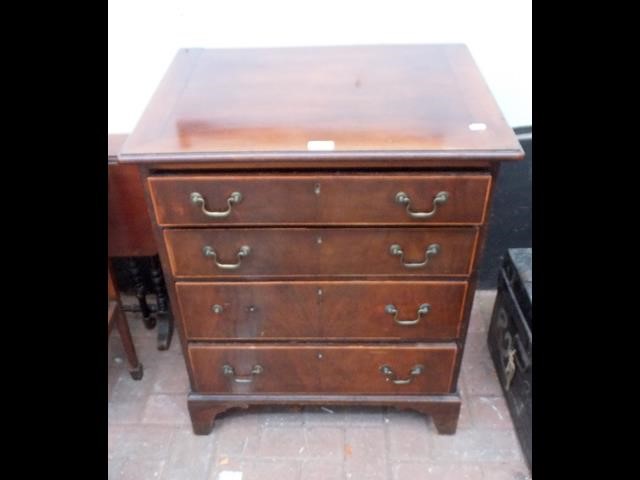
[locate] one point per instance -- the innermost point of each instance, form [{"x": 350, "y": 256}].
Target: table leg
[{"x": 135, "y": 367}]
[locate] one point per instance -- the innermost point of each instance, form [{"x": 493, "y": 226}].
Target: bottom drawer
[{"x": 278, "y": 368}]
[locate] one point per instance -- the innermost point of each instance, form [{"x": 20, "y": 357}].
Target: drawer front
[
  {"x": 322, "y": 310},
  {"x": 273, "y": 252},
  {"x": 320, "y": 199},
  {"x": 417, "y": 369}
]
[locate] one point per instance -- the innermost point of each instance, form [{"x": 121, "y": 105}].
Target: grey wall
[{"x": 510, "y": 220}]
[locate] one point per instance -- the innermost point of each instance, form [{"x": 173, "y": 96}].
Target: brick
[
  {"x": 166, "y": 409},
  {"x": 476, "y": 345},
  {"x": 278, "y": 470},
  {"x": 365, "y": 444},
  {"x": 190, "y": 456},
  {"x": 114, "y": 438},
  {"x": 171, "y": 376},
  {"x": 475, "y": 446},
  {"x": 125, "y": 412},
  {"x": 364, "y": 416},
  {"x": 126, "y": 389},
  {"x": 116, "y": 350},
  {"x": 365, "y": 453},
  {"x": 479, "y": 377},
  {"x": 113, "y": 377},
  {"x": 244, "y": 469},
  {"x": 338, "y": 415},
  {"x": 135, "y": 468},
  {"x": 229, "y": 468},
  {"x": 114, "y": 468},
  {"x": 147, "y": 349},
  {"x": 143, "y": 335},
  {"x": 317, "y": 469},
  {"x": 427, "y": 471},
  {"x": 408, "y": 435},
  {"x": 364, "y": 471},
  {"x": 506, "y": 471},
  {"x": 282, "y": 442},
  {"x": 490, "y": 413},
  {"x": 175, "y": 348},
  {"x": 483, "y": 301},
  {"x": 237, "y": 433},
  {"x": 460, "y": 387},
  {"x": 280, "y": 416},
  {"x": 481, "y": 310},
  {"x": 324, "y": 416},
  {"x": 136, "y": 324},
  {"x": 143, "y": 441},
  {"x": 325, "y": 442}
]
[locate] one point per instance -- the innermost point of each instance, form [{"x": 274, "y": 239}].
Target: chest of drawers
[{"x": 319, "y": 214}]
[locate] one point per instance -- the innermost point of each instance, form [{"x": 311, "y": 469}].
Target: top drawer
[{"x": 447, "y": 199}]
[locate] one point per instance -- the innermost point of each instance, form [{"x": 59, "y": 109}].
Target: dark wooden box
[{"x": 510, "y": 340}]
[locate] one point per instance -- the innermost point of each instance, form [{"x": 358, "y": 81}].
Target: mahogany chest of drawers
[{"x": 319, "y": 214}]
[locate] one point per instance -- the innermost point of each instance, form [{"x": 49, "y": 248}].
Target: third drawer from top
[{"x": 328, "y": 310}]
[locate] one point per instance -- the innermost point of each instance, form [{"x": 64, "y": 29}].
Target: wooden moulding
[{"x": 443, "y": 410}]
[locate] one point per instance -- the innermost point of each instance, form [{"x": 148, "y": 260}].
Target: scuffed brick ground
[{"x": 150, "y": 435}]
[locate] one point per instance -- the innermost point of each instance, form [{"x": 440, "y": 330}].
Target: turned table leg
[
  {"x": 163, "y": 314},
  {"x": 135, "y": 369},
  {"x": 141, "y": 292}
]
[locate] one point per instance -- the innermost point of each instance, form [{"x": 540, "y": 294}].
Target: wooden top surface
[{"x": 418, "y": 101}]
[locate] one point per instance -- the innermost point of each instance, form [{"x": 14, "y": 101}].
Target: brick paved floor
[{"x": 150, "y": 436}]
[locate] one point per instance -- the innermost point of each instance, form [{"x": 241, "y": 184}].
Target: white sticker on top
[
  {"x": 477, "y": 127},
  {"x": 321, "y": 145}
]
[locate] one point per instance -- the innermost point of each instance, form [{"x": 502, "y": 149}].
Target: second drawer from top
[
  {"x": 255, "y": 253},
  {"x": 337, "y": 199}
]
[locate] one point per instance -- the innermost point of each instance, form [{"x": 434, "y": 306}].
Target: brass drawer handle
[
  {"x": 396, "y": 250},
  {"x": 388, "y": 372},
  {"x": 422, "y": 310},
  {"x": 243, "y": 252},
  {"x": 440, "y": 198},
  {"x": 228, "y": 371},
  {"x": 198, "y": 199}
]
